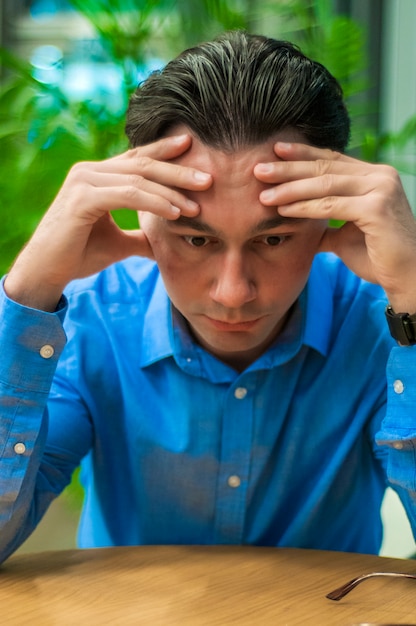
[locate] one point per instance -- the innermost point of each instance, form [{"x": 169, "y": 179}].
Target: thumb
[
  {"x": 348, "y": 243},
  {"x": 328, "y": 241},
  {"x": 342, "y": 241},
  {"x": 132, "y": 243}
]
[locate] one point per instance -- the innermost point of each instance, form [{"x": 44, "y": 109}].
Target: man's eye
[
  {"x": 273, "y": 240},
  {"x": 196, "y": 241}
]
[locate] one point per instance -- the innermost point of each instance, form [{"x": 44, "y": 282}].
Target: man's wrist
[
  {"x": 34, "y": 296},
  {"x": 402, "y": 326}
]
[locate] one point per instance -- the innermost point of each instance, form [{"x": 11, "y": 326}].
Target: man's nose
[{"x": 233, "y": 284}]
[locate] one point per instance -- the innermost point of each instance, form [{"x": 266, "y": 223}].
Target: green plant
[{"x": 43, "y": 131}]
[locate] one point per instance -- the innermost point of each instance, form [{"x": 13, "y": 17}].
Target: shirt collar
[
  {"x": 156, "y": 341},
  {"x": 318, "y": 305},
  {"x": 165, "y": 333}
]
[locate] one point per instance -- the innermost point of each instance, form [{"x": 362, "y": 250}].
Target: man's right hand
[{"x": 78, "y": 237}]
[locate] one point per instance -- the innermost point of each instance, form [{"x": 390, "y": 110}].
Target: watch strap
[{"x": 402, "y": 326}]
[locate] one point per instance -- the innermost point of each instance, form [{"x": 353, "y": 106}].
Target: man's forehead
[
  {"x": 234, "y": 194},
  {"x": 203, "y": 154},
  {"x": 200, "y": 153}
]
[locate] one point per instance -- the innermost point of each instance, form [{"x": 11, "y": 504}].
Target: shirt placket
[{"x": 235, "y": 457}]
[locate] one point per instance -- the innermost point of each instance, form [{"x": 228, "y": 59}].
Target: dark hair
[{"x": 239, "y": 90}]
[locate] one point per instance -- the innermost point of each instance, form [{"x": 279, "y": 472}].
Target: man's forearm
[{"x": 30, "y": 343}]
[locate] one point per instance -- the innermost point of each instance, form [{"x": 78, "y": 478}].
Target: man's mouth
[{"x": 233, "y": 326}]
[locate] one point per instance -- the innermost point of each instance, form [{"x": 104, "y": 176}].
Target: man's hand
[
  {"x": 78, "y": 236},
  {"x": 378, "y": 240}
]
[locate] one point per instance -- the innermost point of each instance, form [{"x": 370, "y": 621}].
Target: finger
[
  {"x": 171, "y": 174},
  {"x": 346, "y": 209},
  {"x": 166, "y": 148},
  {"x": 138, "y": 164},
  {"x": 349, "y": 244},
  {"x": 107, "y": 199},
  {"x": 279, "y": 171},
  {"x": 376, "y": 199},
  {"x": 304, "y": 152},
  {"x": 323, "y": 186},
  {"x": 130, "y": 184},
  {"x": 109, "y": 244},
  {"x": 141, "y": 244},
  {"x": 337, "y": 240},
  {"x": 132, "y": 243}
]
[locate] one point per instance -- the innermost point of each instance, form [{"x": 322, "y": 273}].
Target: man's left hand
[{"x": 378, "y": 239}]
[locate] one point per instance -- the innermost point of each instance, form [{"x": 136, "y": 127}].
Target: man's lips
[{"x": 233, "y": 326}]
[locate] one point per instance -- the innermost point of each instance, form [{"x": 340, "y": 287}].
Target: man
[{"x": 221, "y": 381}]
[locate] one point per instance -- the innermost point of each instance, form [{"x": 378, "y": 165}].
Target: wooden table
[{"x": 195, "y": 586}]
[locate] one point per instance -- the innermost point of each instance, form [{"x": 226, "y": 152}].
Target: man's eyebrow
[
  {"x": 274, "y": 222},
  {"x": 269, "y": 223},
  {"x": 193, "y": 223}
]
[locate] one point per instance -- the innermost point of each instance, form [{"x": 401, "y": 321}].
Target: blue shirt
[{"x": 179, "y": 448}]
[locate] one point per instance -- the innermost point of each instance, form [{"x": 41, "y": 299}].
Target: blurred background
[{"x": 68, "y": 67}]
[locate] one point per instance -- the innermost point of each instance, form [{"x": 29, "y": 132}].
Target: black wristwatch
[{"x": 402, "y": 326}]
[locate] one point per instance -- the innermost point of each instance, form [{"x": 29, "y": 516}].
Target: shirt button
[
  {"x": 240, "y": 393},
  {"x": 234, "y": 481},
  {"x": 398, "y": 386},
  {"x": 20, "y": 448},
  {"x": 398, "y": 445},
  {"x": 46, "y": 351}
]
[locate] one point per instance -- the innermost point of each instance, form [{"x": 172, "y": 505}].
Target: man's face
[{"x": 235, "y": 270}]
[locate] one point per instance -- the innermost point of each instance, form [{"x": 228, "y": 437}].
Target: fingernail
[
  {"x": 201, "y": 177},
  {"x": 267, "y": 195},
  {"x": 264, "y": 168},
  {"x": 175, "y": 210},
  {"x": 192, "y": 205},
  {"x": 179, "y": 138}
]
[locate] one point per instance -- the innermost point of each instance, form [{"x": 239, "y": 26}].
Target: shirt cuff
[
  {"x": 399, "y": 425},
  {"x": 31, "y": 343}
]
